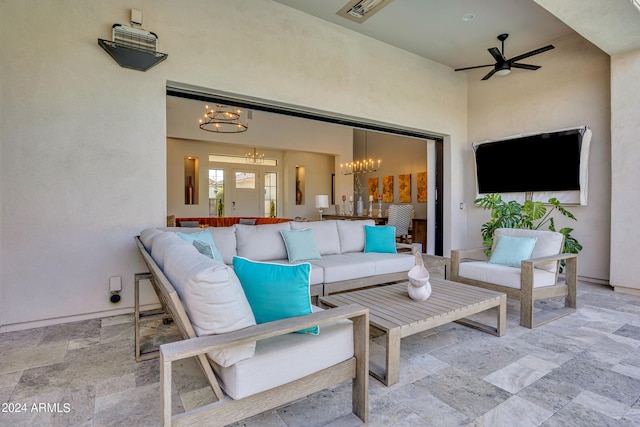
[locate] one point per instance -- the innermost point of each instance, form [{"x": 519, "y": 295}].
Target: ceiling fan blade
[
  {"x": 497, "y": 55},
  {"x": 525, "y": 66},
  {"x": 533, "y": 52},
  {"x": 471, "y": 68},
  {"x": 489, "y": 74}
]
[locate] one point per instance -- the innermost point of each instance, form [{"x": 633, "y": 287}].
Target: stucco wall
[
  {"x": 625, "y": 158},
  {"x": 571, "y": 89},
  {"x": 83, "y": 161}
]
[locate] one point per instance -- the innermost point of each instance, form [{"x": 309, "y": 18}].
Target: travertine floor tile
[
  {"x": 513, "y": 412},
  {"x": 580, "y": 370}
]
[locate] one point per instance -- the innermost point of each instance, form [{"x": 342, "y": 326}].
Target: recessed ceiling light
[{"x": 468, "y": 17}]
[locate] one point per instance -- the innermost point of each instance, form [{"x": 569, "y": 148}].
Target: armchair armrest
[
  {"x": 558, "y": 257},
  {"x": 472, "y": 253},
  {"x": 192, "y": 347},
  {"x": 570, "y": 272},
  {"x": 458, "y": 255}
]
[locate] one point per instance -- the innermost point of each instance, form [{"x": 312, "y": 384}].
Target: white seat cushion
[
  {"x": 386, "y": 263},
  {"x": 285, "y": 358},
  {"x": 340, "y": 267},
  {"x": 503, "y": 275},
  {"x": 316, "y": 276}
]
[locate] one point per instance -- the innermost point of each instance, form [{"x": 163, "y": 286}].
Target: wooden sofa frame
[
  {"x": 227, "y": 410},
  {"x": 527, "y": 294}
]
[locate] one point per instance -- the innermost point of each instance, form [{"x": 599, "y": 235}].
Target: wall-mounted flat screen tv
[{"x": 543, "y": 162}]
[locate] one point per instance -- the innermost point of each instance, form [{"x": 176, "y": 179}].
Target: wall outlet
[{"x": 115, "y": 284}]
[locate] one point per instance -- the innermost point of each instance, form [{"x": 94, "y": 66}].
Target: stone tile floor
[{"x": 581, "y": 370}]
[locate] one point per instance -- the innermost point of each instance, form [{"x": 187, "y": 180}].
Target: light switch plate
[{"x": 136, "y": 16}]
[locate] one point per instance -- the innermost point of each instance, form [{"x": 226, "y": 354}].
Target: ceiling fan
[{"x": 503, "y": 65}]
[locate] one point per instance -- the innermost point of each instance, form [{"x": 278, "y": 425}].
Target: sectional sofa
[
  {"x": 259, "y": 363},
  {"x": 342, "y": 263}
]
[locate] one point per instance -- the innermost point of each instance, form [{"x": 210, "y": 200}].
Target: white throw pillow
[
  {"x": 212, "y": 297},
  {"x": 147, "y": 235},
  {"x": 261, "y": 242},
  {"x": 351, "y": 234},
  {"x": 225, "y": 238},
  {"x": 160, "y": 244}
]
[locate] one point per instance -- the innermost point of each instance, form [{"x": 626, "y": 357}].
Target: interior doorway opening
[{"x": 436, "y": 175}]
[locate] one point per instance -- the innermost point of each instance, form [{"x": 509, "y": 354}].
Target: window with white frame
[
  {"x": 216, "y": 192},
  {"x": 270, "y": 194}
]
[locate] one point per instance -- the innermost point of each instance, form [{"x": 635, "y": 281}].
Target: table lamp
[{"x": 322, "y": 202}]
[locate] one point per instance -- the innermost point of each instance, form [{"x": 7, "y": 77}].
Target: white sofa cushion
[
  {"x": 261, "y": 242},
  {"x": 161, "y": 242},
  {"x": 316, "y": 277},
  {"x": 325, "y": 233},
  {"x": 386, "y": 263},
  {"x": 147, "y": 235},
  {"x": 351, "y": 234},
  {"x": 503, "y": 275},
  {"x": 340, "y": 267},
  {"x": 225, "y": 239},
  {"x": 548, "y": 243},
  {"x": 285, "y": 358},
  {"x": 211, "y": 295}
]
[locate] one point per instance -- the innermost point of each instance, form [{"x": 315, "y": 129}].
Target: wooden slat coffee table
[{"x": 398, "y": 316}]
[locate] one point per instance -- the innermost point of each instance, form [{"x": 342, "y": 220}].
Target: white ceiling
[{"x": 434, "y": 29}]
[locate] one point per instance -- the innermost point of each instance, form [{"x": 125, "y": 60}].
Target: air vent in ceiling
[{"x": 361, "y": 10}]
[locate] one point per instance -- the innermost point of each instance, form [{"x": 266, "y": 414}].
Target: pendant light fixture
[
  {"x": 223, "y": 119},
  {"x": 367, "y": 165}
]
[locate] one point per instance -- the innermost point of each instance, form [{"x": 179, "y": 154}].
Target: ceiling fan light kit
[{"x": 503, "y": 66}]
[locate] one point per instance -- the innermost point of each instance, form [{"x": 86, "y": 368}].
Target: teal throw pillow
[
  {"x": 275, "y": 291},
  {"x": 301, "y": 245},
  {"x": 511, "y": 251},
  {"x": 205, "y": 238},
  {"x": 380, "y": 239}
]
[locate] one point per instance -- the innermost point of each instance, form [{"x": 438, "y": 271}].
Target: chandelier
[
  {"x": 366, "y": 165},
  {"x": 223, "y": 119},
  {"x": 254, "y": 157}
]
